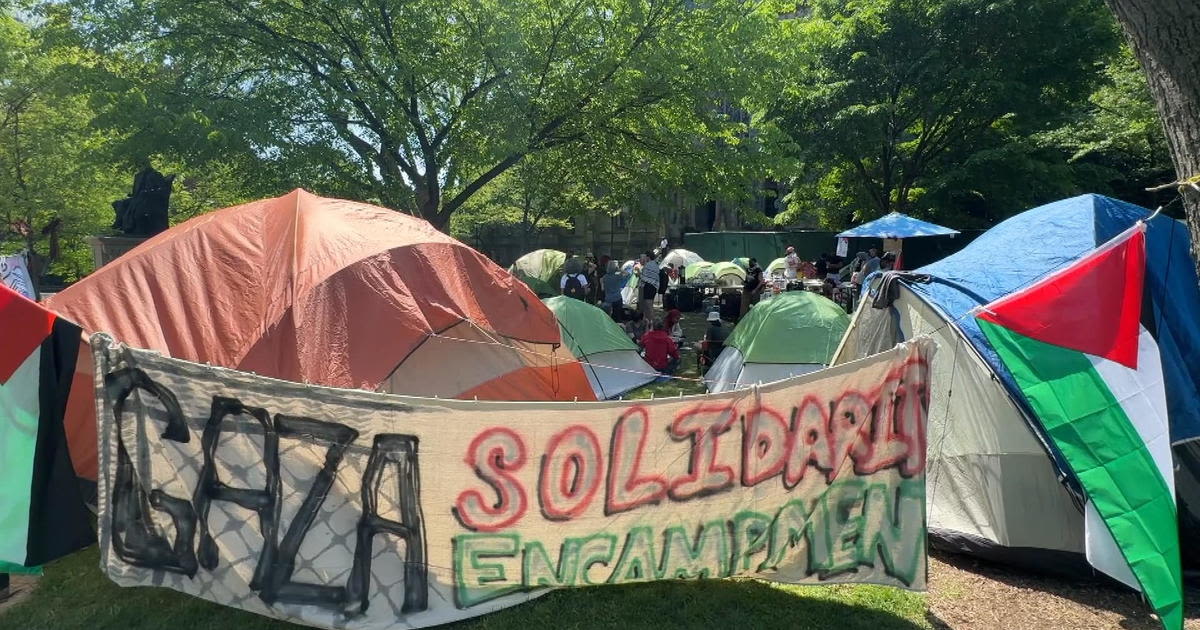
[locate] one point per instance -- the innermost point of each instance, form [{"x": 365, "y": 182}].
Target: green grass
[
  {"x": 75, "y": 594},
  {"x": 693, "y": 325}
]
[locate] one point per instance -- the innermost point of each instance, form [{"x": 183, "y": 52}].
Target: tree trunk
[
  {"x": 719, "y": 218},
  {"x": 1165, "y": 35}
]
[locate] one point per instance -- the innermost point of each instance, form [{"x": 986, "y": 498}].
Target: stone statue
[{"x": 144, "y": 211}]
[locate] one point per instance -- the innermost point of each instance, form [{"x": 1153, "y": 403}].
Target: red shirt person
[{"x": 661, "y": 352}]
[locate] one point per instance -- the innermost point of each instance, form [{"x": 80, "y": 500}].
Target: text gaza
[
  {"x": 137, "y": 541},
  {"x": 875, "y": 430}
]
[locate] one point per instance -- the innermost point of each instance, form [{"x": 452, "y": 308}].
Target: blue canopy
[
  {"x": 896, "y": 225},
  {"x": 1005, "y": 258}
]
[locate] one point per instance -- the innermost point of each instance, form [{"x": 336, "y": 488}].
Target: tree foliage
[
  {"x": 547, "y": 112},
  {"x": 419, "y": 104},
  {"x": 1164, "y": 37},
  {"x": 75, "y": 125},
  {"x": 1116, "y": 144},
  {"x": 907, "y": 105},
  {"x": 47, "y": 173}
]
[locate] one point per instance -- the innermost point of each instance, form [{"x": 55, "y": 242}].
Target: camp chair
[{"x": 706, "y": 357}]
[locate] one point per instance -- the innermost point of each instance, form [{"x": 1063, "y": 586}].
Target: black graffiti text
[{"x": 136, "y": 540}]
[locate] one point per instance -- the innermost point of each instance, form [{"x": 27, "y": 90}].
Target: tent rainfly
[
  {"x": 787, "y": 335},
  {"x": 681, "y": 258},
  {"x": 609, "y": 357},
  {"x": 699, "y": 273},
  {"x": 329, "y": 292},
  {"x": 995, "y": 488},
  {"x": 541, "y": 269},
  {"x": 728, "y": 275}
]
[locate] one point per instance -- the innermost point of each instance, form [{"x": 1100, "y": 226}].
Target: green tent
[
  {"x": 698, "y": 273},
  {"x": 540, "y": 269},
  {"x": 789, "y": 334},
  {"x": 741, "y": 261},
  {"x": 777, "y": 266},
  {"x": 609, "y": 356},
  {"x": 728, "y": 275}
]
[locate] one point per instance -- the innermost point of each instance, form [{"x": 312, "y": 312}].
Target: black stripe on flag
[{"x": 59, "y": 522}]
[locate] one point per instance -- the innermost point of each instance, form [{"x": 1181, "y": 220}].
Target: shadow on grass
[
  {"x": 713, "y": 604},
  {"x": 74, "y": 594}
]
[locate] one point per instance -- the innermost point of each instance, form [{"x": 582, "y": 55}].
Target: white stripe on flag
[
  {"x": 20, "y": 408},
  {"x": 1144, "y": 400}
]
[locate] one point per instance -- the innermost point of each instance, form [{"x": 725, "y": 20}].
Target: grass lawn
[
  {"x": 75, "y": 594},
  {"x": 693, "y": 325}
]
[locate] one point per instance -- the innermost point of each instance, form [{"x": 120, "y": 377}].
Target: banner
[
  {"x": 349, "y": 509},
  {"x": 14, "y": 274}
]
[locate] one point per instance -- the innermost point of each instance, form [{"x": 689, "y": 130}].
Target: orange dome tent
[{"x": 330, "y": 292}]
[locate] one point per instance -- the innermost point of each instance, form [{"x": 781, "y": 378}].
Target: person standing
[
  {"x": 872, "y": 263},
  {"x": 574, "y": 285},
  {"x": 649, "y": 289},
  {"x": 751, "y": 288},
  {"x": 613, "y": 281},
  {"x": 792, "y": 270}
]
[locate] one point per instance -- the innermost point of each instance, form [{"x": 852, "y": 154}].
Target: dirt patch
[
  {"x": 967, "y": 594},
  {"x": 20, "y": 587}
]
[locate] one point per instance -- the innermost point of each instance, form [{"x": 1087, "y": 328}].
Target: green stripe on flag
[
  {"x": 1104, "y": 451},
  {"x": 18, "y": 569}
]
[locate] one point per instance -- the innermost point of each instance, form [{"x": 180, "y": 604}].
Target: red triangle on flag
[
  {"x": 24, "y": 325},
  {"x": 1093, "y": 306}
]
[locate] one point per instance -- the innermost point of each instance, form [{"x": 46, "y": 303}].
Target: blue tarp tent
[
  {"x": 896, "y": 225},
  {"x": 995, "y": 487},
  {"x": 1005, "y": 258}
]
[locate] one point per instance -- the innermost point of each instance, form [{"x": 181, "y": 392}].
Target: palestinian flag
[
  {"x": 42, "y": 515},
  {"x": 1090, "y": 372}
]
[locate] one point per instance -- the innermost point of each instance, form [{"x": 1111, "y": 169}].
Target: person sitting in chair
[{"x": 713, "y": 342}]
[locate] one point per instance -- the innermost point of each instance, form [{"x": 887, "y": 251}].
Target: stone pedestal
[{"x": 106, "y": 249}]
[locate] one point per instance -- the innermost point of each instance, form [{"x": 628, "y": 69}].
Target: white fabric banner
[
  {"x": 843, "y": 246},
  {"x": 15, "y": 275},
  {"x": 349, "y": 509}
]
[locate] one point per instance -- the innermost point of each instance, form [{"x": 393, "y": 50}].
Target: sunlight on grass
[{"x": 75, "y": 594}]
